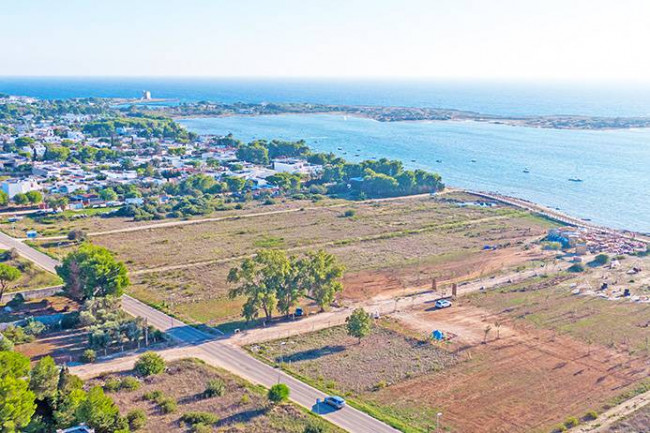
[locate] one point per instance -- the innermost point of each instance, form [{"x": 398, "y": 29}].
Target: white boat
[{"x": 575, "y": 179}]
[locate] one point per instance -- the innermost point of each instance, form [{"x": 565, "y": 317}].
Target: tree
[
  {"x": 100, "y": 412},
  {"x": 358, "y": 324},
  {"x": 279, "y": 393},
  {"x": 149, "y": 364},
  {"x": 235, "y": 184},
  {"x": 255, "y": 152},
  {"x": 320, "y": 274},
  {"x": 16, "y": 399},
  {"x": 258, "y": 279},
  {"x": 77, "y": 235},
  {"x": 4, "y": 198},
  {"x": 57, "y": 202},
  {"x": 92, "y": 271},
  {"x": 7, "y": 275},
  {"x": 34, "y": 197},
  {"x": 44, "y": 379},
  {"x": 108, "y": 194},
  {"x": 20, "y": 199}
]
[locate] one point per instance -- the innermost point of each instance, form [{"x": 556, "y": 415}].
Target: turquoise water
[{"x": 615, "y": 165}]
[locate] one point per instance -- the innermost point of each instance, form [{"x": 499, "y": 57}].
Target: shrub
[
  {"x": 5, "y": 343},
  {"x": 167, "y": 405},
  {"x": 314, "y": 428},
  {"x": 130, "y": 383},
  {"x": 349, "y": 213},
  {"x": 193, "y": 418},
  {"x": 112, "y": 384},
  {"x": 202, "y": 428},
  {"x": 591, "y": 415},
  {"x": 571, "y": 422},
  {"x": 379, "y": 385},
  {"x": 156, "y": 396},
  {"x": 137, "y": 419},
  {"x": 89, "y": 356},
  {"x": 70, "y": 320},
  {"x": 215, "y": 388},
  {"x": 149, "y": 363},
  {"x": 279, "y": 393},
  {"x": 559, "y": 428},
  {"x": 245, "y": 399},
  {"x": 576, "y": 268}
]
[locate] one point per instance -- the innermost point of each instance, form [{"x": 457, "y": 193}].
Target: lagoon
[{"x": 614, "y": 165}]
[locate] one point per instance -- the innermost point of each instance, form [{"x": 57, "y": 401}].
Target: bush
[
  {"x": 314, "y": 428},
  {"x": 571, "y": 422},
  {"x": 137, "y": 419},
  {"x": 5, "y": 343},
  {"x": 245, "y": 399},
  {"x": 167, "y": 405},
  {"x": 279, "y": 393},
  {"x": 349, "y": 213},
  {"x": 130, "y": 383},
  {"x": 591, "y": 415},
  {"x": 576, "y": 268},
  {"x": 112, "y": 384},
  {"x": 193, "y": 418},
  {"x": 70, "y": 320},
  {"x": 156, "y": 396},
  {"x": 202, "y": 428},
  {"x": 215, "y": 388},
  {"x": 89, "y": 356},
  {"x": 559, "y": 428},
  {"x": 149, "y": 363}
]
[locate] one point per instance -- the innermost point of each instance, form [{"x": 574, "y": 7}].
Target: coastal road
[{"x": 224, "y": 355}]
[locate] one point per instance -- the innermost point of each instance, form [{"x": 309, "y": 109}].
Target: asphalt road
[
  {"x": 225, "y": 355},
  {"x": 241, "y": 363},
  {"x": 43, "y": 260}
]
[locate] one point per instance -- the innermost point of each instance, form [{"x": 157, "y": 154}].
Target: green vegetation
[
  {"x": 149, "y": 364},
  {"x": 273, "y": 280},
  {"x": 8, "y": 274},
  {"x": 137, "y": 419},
  {"x": 279, "y": 393},
  {"x": 51, "y": 392},
  {"x": 92, "y": 271},
  {"x": 215, "y": 388},
  {"x": 358, "y": 324}
]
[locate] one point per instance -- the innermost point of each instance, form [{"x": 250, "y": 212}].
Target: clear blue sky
[{"x": 522, "y": 39}]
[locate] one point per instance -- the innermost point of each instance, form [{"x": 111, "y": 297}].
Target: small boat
[
  {"x": 575, "y": 179},
  {"x": 439, "y": 161},
  {"x": 526, "y": 170},
  {"x": 473, "y": 160},
  {"x": 412, "y": 160},
  {"x": 339, "y": 148}
]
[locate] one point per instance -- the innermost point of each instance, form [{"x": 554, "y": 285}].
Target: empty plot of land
[
  {"x": 242, "y": 407},
  {"x": 522, "y": 380},
  {"x": 550, "y": 304}
]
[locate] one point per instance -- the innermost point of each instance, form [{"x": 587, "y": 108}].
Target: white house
[
  {"x": 14, "y": 186},
  {"x": 296, "y": 166}
]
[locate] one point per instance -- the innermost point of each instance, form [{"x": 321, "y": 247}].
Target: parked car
[
  {"x": 335, "y": 401},
  {"x": 442, "y": 303},
  {"x": 299, "y": 312}
]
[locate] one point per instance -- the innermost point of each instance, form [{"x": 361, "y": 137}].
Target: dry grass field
[
  {"x": 386, "y": 247},
  {"x": 242, "y": 408},
  {"x": 524, "y": 380}
]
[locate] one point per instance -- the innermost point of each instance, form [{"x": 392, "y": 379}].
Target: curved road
[{"x": 226, "y": 356}]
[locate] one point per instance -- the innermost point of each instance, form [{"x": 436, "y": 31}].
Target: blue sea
[{"x": 615, "y": 165}]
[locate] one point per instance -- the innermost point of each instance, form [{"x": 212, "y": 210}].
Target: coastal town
[{"x": 135, "y": 250}]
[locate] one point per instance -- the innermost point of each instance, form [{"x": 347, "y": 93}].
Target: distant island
[{"x": 398, "y": 114}]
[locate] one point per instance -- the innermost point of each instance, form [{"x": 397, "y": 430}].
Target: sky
[{"x": 563, "y": 40}]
